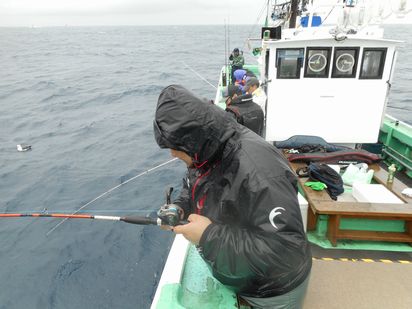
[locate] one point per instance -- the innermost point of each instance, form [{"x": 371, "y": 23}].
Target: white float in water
[{"x": 23, "y": 147}]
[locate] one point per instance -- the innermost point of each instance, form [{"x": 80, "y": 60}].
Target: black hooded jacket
[
  {"x": 256, "y": 243},
  {"x": 247, "y": 113}
]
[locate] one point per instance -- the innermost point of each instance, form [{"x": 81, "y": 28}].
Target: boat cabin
[{"x": 327, "y": 83}]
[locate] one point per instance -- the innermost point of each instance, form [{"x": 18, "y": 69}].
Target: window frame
[
  {"x": 327, "y": 67},
  {"x": 355, "y": 65},
  {"x": 299, "y": 62},
  {"x": 381, "y": 64}
]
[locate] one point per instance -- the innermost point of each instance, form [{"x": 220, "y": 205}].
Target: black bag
[
  {"x": 324, "y": 173},
  {"x": 299, "y": 141}
]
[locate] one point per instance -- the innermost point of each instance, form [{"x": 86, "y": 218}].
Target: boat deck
[
  {"x": 360, "y": 278},
  {"x": 354, "y": 274},
  {"x": 346, "y": 284}
]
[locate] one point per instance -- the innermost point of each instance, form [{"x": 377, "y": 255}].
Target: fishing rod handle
[{"x": 141, "y": 220}]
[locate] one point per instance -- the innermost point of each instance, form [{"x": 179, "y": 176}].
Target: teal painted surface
[
  {"x": 319, "y": 235},
  {"x": 198, "y": 288},
  {"x": 169, "y": 298},
  {"x": 362, "y": 225},
  {"x": 397, "y": 140},
  {"x": 253, "y": 68},
  {"x": 323, "y": 242}
]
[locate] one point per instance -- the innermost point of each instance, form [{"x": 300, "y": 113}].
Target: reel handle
[
  {"x": 183, "y": 222},
  {"x": 169, "y": 195}
]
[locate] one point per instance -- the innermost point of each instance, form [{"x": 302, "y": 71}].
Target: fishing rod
[
  {"x": 228, "y": 34},
  {"x": 169, "y": 214},
  {"x": 224, "y": 77},
  {"x": 129, "y": 219}
]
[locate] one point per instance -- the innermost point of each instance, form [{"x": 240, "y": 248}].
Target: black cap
[
  {"x": 236, "y": 50},
  {"x": 252, "y": 81}
]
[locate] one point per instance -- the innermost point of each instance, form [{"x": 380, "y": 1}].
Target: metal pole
[{"x": 294, "y": 13}]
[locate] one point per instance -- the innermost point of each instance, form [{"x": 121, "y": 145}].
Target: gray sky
[
  {"x": 127, "y": 12},
  {"x": 136, "y": 12}
]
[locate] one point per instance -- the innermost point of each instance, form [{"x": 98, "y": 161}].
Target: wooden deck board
[{"x": 321, "y": 203}]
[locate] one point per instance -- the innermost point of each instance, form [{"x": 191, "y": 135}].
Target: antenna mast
[{"x": 294, "y": 13}]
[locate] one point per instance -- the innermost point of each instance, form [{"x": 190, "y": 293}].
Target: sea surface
[{"x": 84, "y": 98}]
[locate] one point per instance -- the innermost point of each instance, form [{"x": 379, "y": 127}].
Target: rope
[{"x": 110, "y": 190}]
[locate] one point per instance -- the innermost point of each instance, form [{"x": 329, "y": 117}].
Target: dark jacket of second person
[{"x": 247, "y": 113}]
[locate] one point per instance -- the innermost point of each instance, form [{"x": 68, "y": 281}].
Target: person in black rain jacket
[
  {"x": 247, "y": 113},
  {"x": 240, "y": 198}
]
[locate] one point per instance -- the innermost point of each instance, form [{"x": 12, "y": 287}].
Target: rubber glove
[{"x": 316, "y": 185}]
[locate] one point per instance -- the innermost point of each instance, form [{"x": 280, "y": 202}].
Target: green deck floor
[{"x": 198, "y": 288}]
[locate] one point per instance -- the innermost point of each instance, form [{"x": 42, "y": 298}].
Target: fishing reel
[{"x": 170, "y": 214}]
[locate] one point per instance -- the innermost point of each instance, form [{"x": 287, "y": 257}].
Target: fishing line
[
  {"x": 199, "y": 75},
  {"x": 110, "y": 190}
]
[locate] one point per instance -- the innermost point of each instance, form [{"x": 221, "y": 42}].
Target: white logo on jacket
[{"x": 275, "y": 212}]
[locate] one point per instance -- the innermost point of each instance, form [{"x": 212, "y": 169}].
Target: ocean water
[
  {"x": 84, "y": 98},
  {"x": 400, "y": 96}
]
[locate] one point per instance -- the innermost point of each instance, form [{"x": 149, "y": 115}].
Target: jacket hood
[
  {"x": 239, "y": 74},
  {"x": 187, "y": 123}
]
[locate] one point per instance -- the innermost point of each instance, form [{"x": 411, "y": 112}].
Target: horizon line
[
  {"x": 130, "y": 25},
  {"x": 154, "y": 25}
]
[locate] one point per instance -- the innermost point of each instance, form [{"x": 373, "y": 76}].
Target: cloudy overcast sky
[{"x": 136, "y": 12}]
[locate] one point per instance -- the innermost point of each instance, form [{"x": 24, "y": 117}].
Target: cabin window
[
  {"x": 373, "y": 62},
  {"x": 317, "y": 62},
  {"x": 289, "y": 62},
  {"x": 345, "y": 61}
]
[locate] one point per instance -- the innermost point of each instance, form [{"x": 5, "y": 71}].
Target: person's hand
[{"x": 194, "y": 229}]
